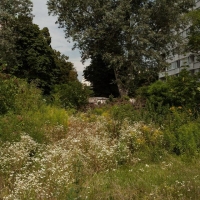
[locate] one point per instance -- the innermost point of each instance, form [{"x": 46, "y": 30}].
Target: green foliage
[
  {"x": 71, "y": 95},
  {"x": 194, "y": 32},
  {"x": 38, "y": 61},
  {"x": 13, "y": 91},
  {"x": 182, "y": 90},
  {"x": 158, "y": 113},
  {"x": 35, "y": 59},
  {"x": 102, "y": 87},
  {"x": 7, "y": 95},
  {"x": 44, "y": 125},
  {"x": 120, "y": 112},
  {"x": 185, "y": 89},
  {"x": 23, "y": 110},
  {"x": 65, "y": 71},
  {"x": 9, "y": 11},
  {"x": 184, "y": 140},
  {"x": 134, "y": 37},
  {"x": 158, "y": 92}
]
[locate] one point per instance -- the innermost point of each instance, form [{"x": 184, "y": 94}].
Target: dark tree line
[{"x": 26, "y": 52}]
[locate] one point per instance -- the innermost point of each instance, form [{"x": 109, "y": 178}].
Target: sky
[{"x": 58, "y": 41}]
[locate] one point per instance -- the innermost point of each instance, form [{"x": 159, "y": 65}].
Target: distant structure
[
  {"x": 86, "y": 83},
  {"x": 177, "y": 62},
  {"x": 97, "y": 100}
]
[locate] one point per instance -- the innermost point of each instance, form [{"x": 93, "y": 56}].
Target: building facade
[{"x": 177, "y": 62}]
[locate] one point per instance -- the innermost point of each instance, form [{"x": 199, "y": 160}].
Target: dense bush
[
  {"x": 182, "y": 90},
  {"x": 16, "y": 95},
  {"x": 72, "y": 95},
  {"x": 185, "y": 89},
  {"x": 46, "y": 153},
  {"x": 23, "y": 110},
  {"x": 8, "y": 91},
  {"x": 181, "y": 132}
]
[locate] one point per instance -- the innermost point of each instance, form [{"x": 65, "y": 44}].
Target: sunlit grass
[
  {"x": 111, "y": 152},
  {"x": 169, "y": 179},
  {"x": 89, "y": 161}
]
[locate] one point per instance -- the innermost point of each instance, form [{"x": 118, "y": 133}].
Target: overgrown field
[{"x": 108, "y": 152}]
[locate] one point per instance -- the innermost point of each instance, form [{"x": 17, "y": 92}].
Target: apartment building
[{"x": 176, "y": 62}]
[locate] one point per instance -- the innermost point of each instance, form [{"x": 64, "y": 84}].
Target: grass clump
[
  {"x": 24, "y": 110},
  {"x": 170, "y": 179},
  {"x": 89, "y": 162},
  {"x": 109, "y": 152}
]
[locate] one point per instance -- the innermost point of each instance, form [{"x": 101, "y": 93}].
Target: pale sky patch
[{"x": 58, "y": 41}]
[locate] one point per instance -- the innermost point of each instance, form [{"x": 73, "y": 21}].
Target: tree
[
  {"x": 102, "y": 78},
  {"x": 65, "y": 69},
  {"x": 193, "y": 44},
  {"x": 9, "y": 11},
  {"x": 71, "y": 95},
  {"x": 35, "y": 59},
  {"x": 25, "y": 50},
  {"x": 132, "y": 36}
]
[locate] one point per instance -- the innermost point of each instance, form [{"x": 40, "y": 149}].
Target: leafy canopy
[
  {"x": 133, "y": 36},
  {"x": 193, "y": 44},
  {"x": 182, "y": 90},
  {"x": 9, "y": 11},
  {"x": 101, "y": 77},
  {"x": 27, "y": 53}
]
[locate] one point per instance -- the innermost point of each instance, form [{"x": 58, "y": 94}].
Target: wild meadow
[
  {"x": 54, "y": 146},
  {"x": 113, "y": 151}
]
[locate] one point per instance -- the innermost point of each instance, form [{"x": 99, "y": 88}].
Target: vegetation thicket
[
  {"x": 113, "y": 151},
  {"x": 26, "y": 50},
  {"x": 51, "y": 149}
]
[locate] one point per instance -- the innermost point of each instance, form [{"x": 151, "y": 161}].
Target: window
[
  {"x": 184, "y": 62},
  {"x": 191, "y": 59},
  {"x": 185, "y": 33},
  {"x": 174, "y": 65}
]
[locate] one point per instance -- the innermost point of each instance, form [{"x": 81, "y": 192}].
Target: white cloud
[{"x": 58, "y": 40}]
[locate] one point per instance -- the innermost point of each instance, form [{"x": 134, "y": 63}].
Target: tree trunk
[{"x": 123, "y": 91}]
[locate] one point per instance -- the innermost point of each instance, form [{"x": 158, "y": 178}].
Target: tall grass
[
  {"x": 28, "y": 113},
  {"x": 90, "y": 162},
  {"x": 170, "y": 179},
  {"x": 111, "y": 152}
]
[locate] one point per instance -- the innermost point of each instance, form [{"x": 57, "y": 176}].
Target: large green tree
[
  {"x": 9, "y": 11},
  {"x": 131, "y": 35},
  {"x": 65, "y": 71},
  {"x": 101, "y": 77},
  {"x": 35, "y": 59}
]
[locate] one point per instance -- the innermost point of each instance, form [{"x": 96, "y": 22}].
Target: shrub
[
  {"x": 23, "y": 109},
  {"x": 185, "y": 139},
  {"x": 17, "y": 96},
  {"x": 8, "y": 91},
  {"x": 158, "y": 92},
  {"x": 45, "y": 124},
  {"x": 182, "y": 90},
  {"x": 72, "y": 95},
  {"x": 28, "y": 97}
]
